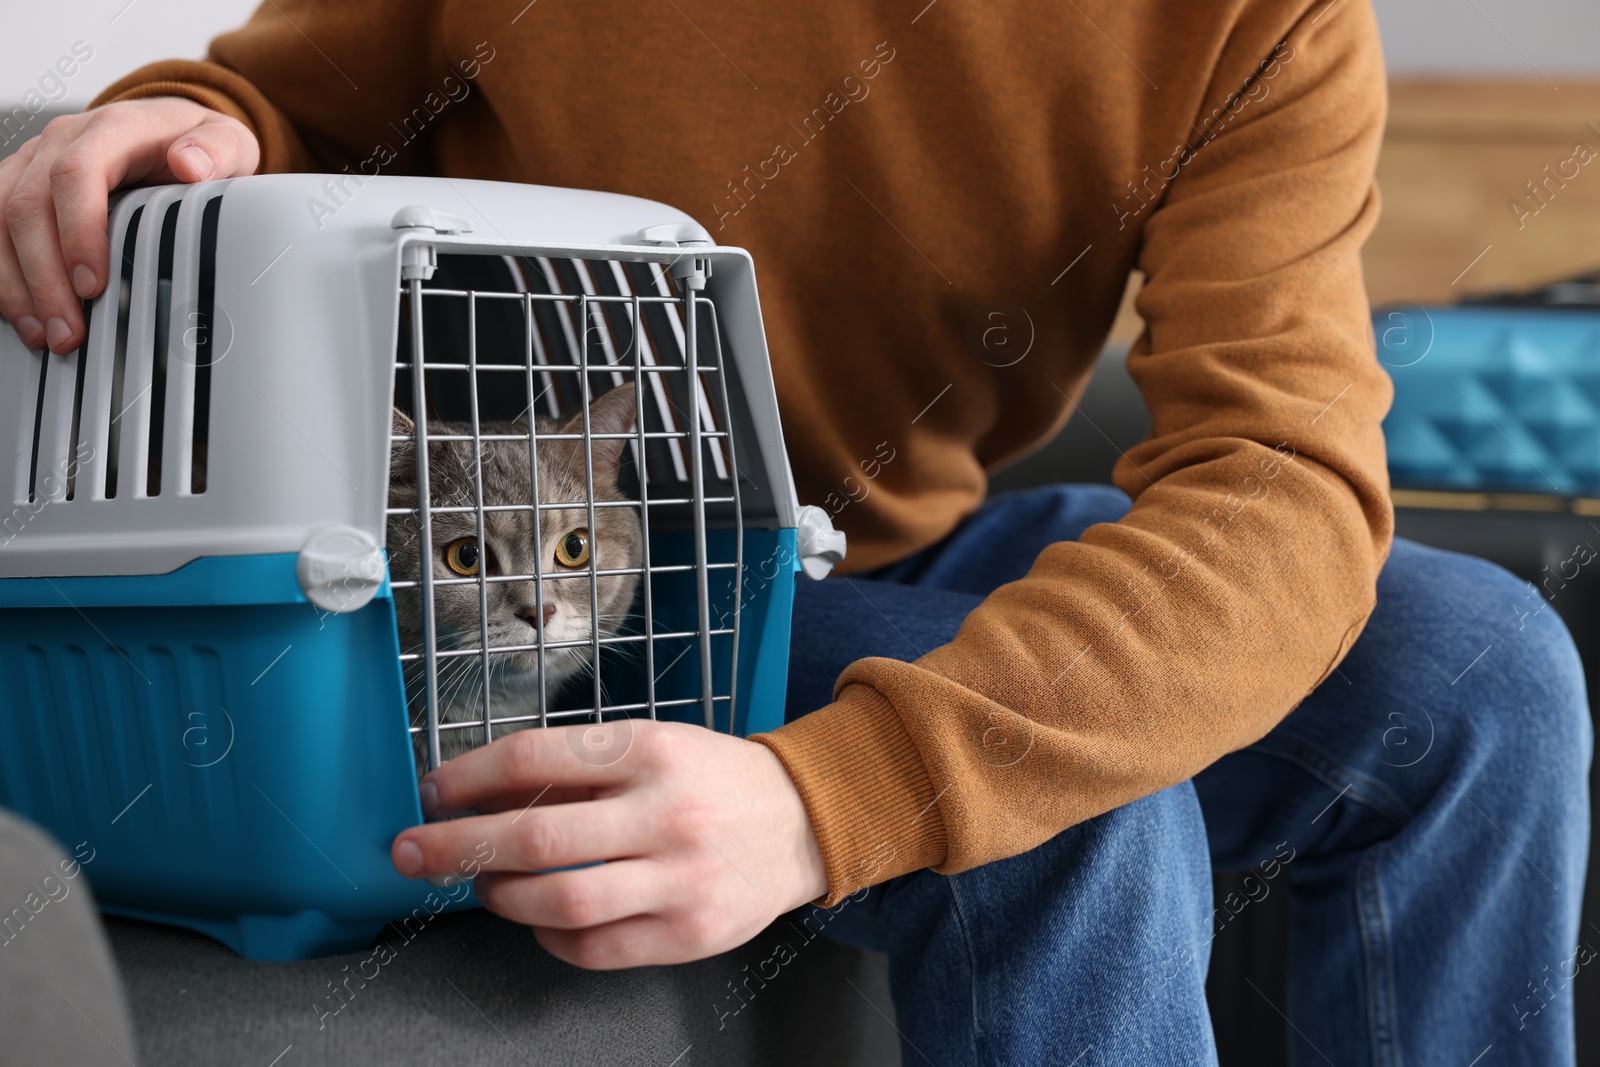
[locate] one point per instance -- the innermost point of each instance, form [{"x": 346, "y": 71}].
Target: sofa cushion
[{"x": 473, "y": 988}]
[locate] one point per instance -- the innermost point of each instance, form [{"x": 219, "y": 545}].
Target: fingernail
[
  {"x": 429, "y": 793},
  {"x": 31, "y": 330},
  {"x": 82, "y": 281},
  {"x": 57, "y": 332},
  {"x": 408, "y": 859},
  {"x": 199, "y": 160}
]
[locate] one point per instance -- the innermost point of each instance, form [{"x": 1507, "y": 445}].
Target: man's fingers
[
  {"x": 16, "y": 303},
  {"x": 79, "y": 191},
  {"x": 531, "y": 839},
  {"x": 218, "y": 148},
  {"x": 576, "y": 900},
  {"x": 142, "y": 141},
  {"x": 637, "y": 941},
  {"x": 125, "y": 145},
  {"x": 544, "y": 796},
  {"x": 529, "y": 760},
  {"x": 54, "y": 253},
  {"x": 31, "y": 218}
]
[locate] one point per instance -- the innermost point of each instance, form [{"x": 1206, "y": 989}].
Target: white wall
[
  {"x": 1503, "y": 38},
  {"x": 122, "y": 35},
  {"x": 1560, "y": 38}
]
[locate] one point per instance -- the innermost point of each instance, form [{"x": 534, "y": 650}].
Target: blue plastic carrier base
[
  {"x": 238, "y": 762},
  {"x": 1493, "y": 398}
]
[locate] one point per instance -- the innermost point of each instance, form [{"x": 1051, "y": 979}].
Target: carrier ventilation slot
[
  {"x": 205, "y": 352},
  {"x": 75, "y": 439},
  {"x": 57, "y": 413},
  {"x": 159, "y": 352},
  {"x": 159, "y": 402},
  {"x": 38, "y": 428},
  {"x": 119, "y": 364}
]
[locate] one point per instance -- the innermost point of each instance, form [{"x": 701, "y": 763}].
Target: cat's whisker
[
  {"x": 452, "y": 686},
  {"x": 414, "y": 682},
  {"x": 469, "y": 684},
  {"x": 586, "y": 669},
  {"x": 414, "y": 672},
  {"x": 624, "y": 653}
]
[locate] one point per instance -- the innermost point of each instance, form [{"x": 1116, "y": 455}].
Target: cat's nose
[{"x": 531, "y": 611}]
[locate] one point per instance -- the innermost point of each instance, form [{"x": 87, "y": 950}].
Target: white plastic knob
[
  {"x": 820, "y": 545},
  {"x": 340, "y": 569}
]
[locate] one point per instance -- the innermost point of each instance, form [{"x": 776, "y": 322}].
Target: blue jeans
[{"x": 1426, "y": 807}]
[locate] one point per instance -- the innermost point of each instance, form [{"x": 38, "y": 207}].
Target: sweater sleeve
[
  {"x": 1131, "y": 659},
  {"x": 319, "y": 82}
]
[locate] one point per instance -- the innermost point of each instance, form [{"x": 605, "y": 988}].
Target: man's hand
[
  {"x": 53, "y": 246},
  {"x": 704, "y": 837}
]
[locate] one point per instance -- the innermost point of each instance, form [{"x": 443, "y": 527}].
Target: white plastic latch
[
  {"x": 415, "y": 216},
  {"x": 691, "y": 272},
  {"x": 821, "y": 546},
  {"x": 675, "y": 234},
  {"x": 340, "y": 569},
  {"x": 419, "y": 259}
]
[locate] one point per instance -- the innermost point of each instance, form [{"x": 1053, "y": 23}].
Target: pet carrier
[{"x": 204, "y": 678}]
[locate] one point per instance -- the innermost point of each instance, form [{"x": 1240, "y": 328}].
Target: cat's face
[{"x": 566, "y": 546}]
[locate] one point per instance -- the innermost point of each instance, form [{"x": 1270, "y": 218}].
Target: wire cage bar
[{"x": 693, "y": 450}]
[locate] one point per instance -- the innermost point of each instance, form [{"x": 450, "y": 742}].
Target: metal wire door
[{"x": 586, "y": 326}]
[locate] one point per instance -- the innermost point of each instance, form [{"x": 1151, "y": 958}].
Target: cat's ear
[{"x": 612, "y": 413}]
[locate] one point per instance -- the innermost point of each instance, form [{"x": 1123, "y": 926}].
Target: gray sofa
[{"x": 469, "y": 988}]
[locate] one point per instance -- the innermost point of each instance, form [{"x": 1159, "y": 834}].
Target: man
[{"x": 1037, "y": 696}]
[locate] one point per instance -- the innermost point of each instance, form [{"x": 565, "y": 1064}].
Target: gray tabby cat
[{"x": 567, "y": 544}]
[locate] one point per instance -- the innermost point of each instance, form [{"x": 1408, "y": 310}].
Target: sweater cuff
[
  {"x": 865, "y": 788},
  {"x": 231, "y": 94}
]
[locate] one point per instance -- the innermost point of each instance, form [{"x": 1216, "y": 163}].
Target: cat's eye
[
  {"x": 573, "y": 549},
  {"x": 461, "y": 556}
]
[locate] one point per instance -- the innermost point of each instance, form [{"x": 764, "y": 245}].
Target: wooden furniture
[{"x": 1457, "y": 156}]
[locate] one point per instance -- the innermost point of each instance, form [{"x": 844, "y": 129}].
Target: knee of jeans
[
  {"x": 1164, "y": 832},
  {"x": 1146, "y": 862},
  {"x": 1165, "y": 828},
  {"x": 1544, "y": 667},
  {"x": 1527, "y": 697}
]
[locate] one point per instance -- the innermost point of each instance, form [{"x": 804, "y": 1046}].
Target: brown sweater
[{"x": 900, "y": 176}]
